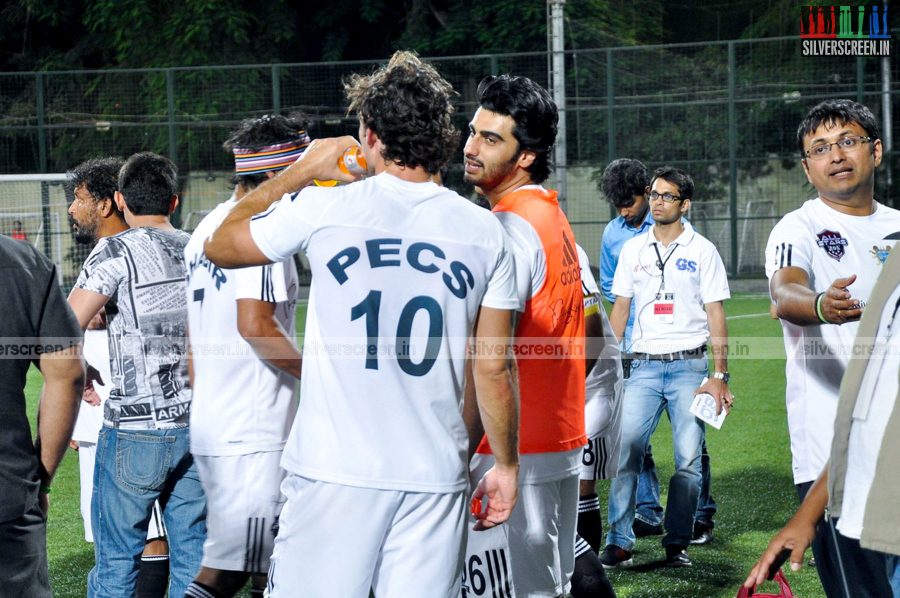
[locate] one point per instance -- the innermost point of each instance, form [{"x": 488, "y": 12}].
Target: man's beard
[
  {"x": 493, "y": 176},
  {"x": 84, "y": 234}
]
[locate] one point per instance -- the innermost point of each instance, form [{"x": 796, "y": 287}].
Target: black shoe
[
  {"x": 614, "y": 556},
  {"x": 703, "y": 533},
  {"x": 677, "y": 556},
  {"x": 642, "y": 529}
]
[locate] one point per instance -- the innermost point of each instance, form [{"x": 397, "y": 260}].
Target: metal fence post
[
  {"x": 42, "y": 159},
  {"x": 170, "y": 99},
  {"x": 610, "y": 113},
  {"x": 41, "y": 121},
  {"x": 732, "y": 155},
  {"x": 860, "y": 78},
  {"x": 276, "y": 88}
]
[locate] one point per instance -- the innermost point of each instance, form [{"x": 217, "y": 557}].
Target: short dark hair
[
  {"x": 533, "y": 111},
  {"x": 148, "y": 182},
  {"x": 100, "y": 177},
  {"x": 622, "y": 180},
  {"x": 407, "y": 103},
  {"x": 263, "y": 131},
  {"x": 836, "y": 112},
  {"x": 677, "y": 177}
]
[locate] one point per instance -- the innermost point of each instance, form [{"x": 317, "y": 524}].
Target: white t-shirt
[
  {"x": 604, "y": 384},
  {"x": 399, "y": 272},
  {"x": 874, "y": 407},
  {"x": 828, "y": 245},
  {"x": 90, "y": 417},
  {"x": 694, "y": 276},
  {"x": 241, "y": 404}
]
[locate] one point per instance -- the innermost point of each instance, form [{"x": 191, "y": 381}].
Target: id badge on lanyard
[
  {"x": 664, "y": 304},
  {"x": 664, "y": 308}
]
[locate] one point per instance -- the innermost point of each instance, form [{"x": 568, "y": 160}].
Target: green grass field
[{"x": 751, "y": 483}]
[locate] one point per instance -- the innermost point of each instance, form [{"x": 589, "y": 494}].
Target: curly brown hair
[{"x": 407, "y": 104}]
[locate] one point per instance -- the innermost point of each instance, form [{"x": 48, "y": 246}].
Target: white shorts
[
  {"x": 603, "y": 423},
  {"x": 243, "y": 504},
  {"x": 541, "y": 533},
  {"x": 600, "y": 458},
  {"x": 87, "y": 453},
  {"x": 336, "y": 540}
]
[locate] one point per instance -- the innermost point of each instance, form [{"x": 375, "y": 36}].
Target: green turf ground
[{"x": 751, "y": 483}]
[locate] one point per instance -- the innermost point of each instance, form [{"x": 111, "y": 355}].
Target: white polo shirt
[{"x": 692, "y": 275}]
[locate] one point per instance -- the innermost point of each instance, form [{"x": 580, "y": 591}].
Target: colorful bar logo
[{"x": 845, "y": 30}]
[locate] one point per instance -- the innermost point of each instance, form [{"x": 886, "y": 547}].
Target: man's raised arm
[{"x": 231, "y": 245}]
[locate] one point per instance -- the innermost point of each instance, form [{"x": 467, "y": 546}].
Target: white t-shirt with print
[{"x": 827, "y": 245}]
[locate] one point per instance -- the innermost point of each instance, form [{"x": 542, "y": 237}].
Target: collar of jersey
[{"x": 686, "y": 236}]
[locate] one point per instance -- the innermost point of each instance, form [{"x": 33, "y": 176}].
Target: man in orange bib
[{"x": 507, "y": 159}]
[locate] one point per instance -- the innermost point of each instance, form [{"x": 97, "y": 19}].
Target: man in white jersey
[
  {"x": 822, "y": 261},
  {"x": 603, "y": 427},
  {"x": 93, "y": 215},
  {"x": 242, "y": 405},
  {"x": 860, "y": 485},
  {"x": 404, "y": 271}
]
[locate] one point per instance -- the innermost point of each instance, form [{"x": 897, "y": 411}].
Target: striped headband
[{"x": 270, "y": 157}]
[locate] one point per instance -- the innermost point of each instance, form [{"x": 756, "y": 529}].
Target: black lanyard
[{"x": 662, "y": 264}]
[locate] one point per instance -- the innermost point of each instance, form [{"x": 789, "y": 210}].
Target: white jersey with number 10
[{"x": 399, "y": 272}]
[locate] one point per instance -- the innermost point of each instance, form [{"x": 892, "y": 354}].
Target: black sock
[
  {"x": 199, "y": 590},
  {"x": 257, "y": 592},
  {"x": 153, "y": 576},
  {"x": 589, "y": 579},
  {"x": 590, "y": 527}
]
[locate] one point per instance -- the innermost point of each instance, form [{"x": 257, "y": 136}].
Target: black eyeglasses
[
  {"x": 848, "y": 143},
  {"x": 666, "y": 197}
]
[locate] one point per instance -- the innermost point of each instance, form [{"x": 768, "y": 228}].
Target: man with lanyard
[
  {"x": 677, "y": 281},
  {"x": 625, "y": 183}
]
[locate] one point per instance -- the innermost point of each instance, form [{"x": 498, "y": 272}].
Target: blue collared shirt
[{"x": 614, "y": 236}]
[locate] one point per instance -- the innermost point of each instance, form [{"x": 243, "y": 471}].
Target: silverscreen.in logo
[{"x": 845, "y": 30}]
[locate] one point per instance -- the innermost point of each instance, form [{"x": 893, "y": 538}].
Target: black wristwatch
[{"x": 723, "y": 376}]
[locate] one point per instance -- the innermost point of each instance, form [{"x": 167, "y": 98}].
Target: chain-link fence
[{"x": 725, "y": 111}]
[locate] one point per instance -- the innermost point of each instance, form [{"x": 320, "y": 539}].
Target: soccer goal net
[{"x": 33, "y": 210}]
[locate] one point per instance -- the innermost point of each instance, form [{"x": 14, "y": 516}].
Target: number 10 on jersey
[{"x": 370, "y": 307}]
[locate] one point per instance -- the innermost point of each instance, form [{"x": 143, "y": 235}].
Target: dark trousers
[
  {"x": 23, "y": 555},
  {"x": 846, "y": 569}
]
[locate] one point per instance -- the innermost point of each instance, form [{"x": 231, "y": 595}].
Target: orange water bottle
[{"x": 351, "y": 162}]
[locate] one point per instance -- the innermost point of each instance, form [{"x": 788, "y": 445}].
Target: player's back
[
  {"x": 399, "y": 272},
  {"x": 241, "y": 404}
]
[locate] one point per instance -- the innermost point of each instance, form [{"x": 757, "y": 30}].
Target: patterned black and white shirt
[{"x": 142, "y": 272}]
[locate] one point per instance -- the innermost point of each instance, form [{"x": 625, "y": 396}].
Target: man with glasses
[
  {"x": 677, "y": 282},
  {"x": 822, "y": 261},
  {"x": 625, "y": 183}
]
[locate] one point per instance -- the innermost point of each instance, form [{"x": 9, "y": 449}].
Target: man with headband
[{"x": 244, "y": 396}]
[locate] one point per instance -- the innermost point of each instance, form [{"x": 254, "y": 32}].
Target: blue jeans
[
  {"x": 654, "y": 387},
  {"x": 647, "y": 507},
  {"x": 133, "y": 469},
  {"x": 892, "y": 562}
]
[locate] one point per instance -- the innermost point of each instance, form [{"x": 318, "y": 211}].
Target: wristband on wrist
[
  {"x": 819, "y": 308},
  {"x": 44, "y": 489}
]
